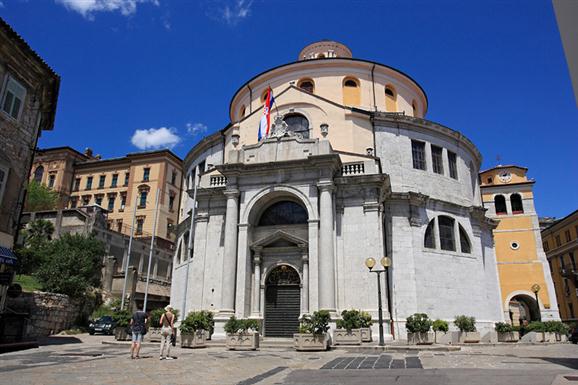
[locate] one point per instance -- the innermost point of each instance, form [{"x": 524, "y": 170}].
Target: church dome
[{"x": 324, "y": 49}]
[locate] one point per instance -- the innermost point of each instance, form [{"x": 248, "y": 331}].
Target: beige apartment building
[{"x": 116, "y": 185}]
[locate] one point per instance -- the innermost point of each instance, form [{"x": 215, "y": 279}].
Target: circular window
[{"x": 514, "y": 245}]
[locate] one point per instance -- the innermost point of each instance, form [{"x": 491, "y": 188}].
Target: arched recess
[
  {"x": 282, "y": 301},
  {"x": 268, "y": 195},
  {"x": 500, "y": 205},
  {"x": 465, "y": 244},
  {"x": 525, "y": 301},
  {"x": 429, "y": 239},
  {"x": 283, "y": 212},
  {"x": 414, "y": 108},
  {"x": 306, "y": 84},
  {"x": 38, "y": 173},
  {"x": 390, "y": 98},
  {"x": 516, "y": 203},
  {"x": 242, "y": 112},
  {"x": 351, "y": 91}
]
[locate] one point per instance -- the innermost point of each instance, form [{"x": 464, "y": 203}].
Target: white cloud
[
  {"x": 87, "y": 8},
  {"x": 155, "y": 138},
  {"x": 236, "y": 12},
  {"x": 196, "y": 128}
]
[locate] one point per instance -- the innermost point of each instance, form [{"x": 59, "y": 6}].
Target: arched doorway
[
  {"x": 523, "y": 307},
  {"x": 282, "y": 302}
]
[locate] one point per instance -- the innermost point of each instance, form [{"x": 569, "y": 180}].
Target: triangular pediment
[{"x": 280, "y": 238}]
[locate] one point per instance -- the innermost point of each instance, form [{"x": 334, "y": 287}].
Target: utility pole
[{"x": 128, "y": 253}]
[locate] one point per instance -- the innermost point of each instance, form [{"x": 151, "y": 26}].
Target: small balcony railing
[
  {"x": 357, "y": 168},
  {"x": 217, "y": 181}
]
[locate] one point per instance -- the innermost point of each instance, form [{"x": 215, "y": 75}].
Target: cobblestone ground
[{"x": 84, "y": 359}]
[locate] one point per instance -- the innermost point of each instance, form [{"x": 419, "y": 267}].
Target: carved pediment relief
[{"x": 279, "y": 238}]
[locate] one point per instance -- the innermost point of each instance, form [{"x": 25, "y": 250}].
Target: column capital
[
  {"x": 326, "y": 186},
  {"x": 231, "y": 192}
]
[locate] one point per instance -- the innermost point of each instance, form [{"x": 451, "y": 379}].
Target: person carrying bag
[{"x": 167, "y": 332}]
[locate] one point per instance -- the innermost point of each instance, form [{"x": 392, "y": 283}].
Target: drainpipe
[{"x": 250, "y": 99}]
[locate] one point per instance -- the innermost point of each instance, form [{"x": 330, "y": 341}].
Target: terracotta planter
[
  {"x": 427, "y": 338},
  {"x": 120, "y": 334},
  {"x": 193, "y": 340},
  {"x": 243, "y": 341},
  {"x": 347, "y": 337},
  {"x": 310, "y": 342},
  {"x": 154, "y": 334},
  {"x": 366, "y": 335},
  {"x": 468, "y": 337},
  {"x": 509, "y": 337}
]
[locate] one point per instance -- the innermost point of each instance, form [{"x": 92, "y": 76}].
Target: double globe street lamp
[{"x": 386, "y": 263}]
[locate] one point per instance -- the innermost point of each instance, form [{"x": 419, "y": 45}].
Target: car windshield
[{"x": 105, "y": 319}]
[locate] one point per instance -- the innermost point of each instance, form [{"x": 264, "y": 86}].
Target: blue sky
[{"x": 494, "y": 70}]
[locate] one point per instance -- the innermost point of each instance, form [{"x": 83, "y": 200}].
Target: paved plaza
[{"x": 85, "y": 359}]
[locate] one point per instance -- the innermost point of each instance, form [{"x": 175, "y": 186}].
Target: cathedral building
[{"x": 350, "y": 169}]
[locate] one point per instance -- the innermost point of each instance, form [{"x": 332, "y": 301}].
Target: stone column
[
  {"x": 230, "y": 253},
  {"x": 305, "y": 283},
  {"x": 109, "y": 262},
  {"x": 255, "y": 309},
  {"x": 326, "y": 257}
]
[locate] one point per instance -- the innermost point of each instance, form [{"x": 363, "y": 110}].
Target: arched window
[
  {"x": 447, "y": 237},
  {"x": 283, "y": 213},
  {"x": 38, "y": 173},
  {"x": 414, "y": 108},
  {"x": 429, "y": 239},
  {"x": 307, "y": 85},
  {"x": 242, "y": 112},
  {"x": 517, "y": 206},
  {"x": 351, "y": 92},
  {"x": 321, "y": 56},
  {"x": 465, "y": 244},
  {"x": 390, "y": 99},
  {"x": 264, "y": 96},
  {"x": 500, "y": 204},
  {"x": 298, "y": 124}
]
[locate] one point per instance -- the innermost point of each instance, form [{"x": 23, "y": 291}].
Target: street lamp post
[
  {"x": 386, "y": 263},
  {"x": 536, "y": 288}
]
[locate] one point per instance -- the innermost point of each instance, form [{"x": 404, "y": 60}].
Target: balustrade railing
[
  {"x": 217, "y": 181},
  {"x": 357, "y": 168}
]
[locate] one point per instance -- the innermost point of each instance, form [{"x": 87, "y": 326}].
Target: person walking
[
  {"x": 138, "y": 326},
  {"x": 167, "y": 329}
]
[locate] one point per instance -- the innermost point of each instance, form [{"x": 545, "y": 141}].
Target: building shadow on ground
[
  {"x": 571, "y": 363},
  {"x": 58, "y": 340}
]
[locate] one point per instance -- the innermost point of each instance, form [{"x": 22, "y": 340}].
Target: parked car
[
  {"x": 104, "y": 325},
  {"x": 574, "y": 335}
]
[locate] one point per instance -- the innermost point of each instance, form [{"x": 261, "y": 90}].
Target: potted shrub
[
  {"x": 365, "y": 327},
  {"x": 154, "y": 330},
  {"x": 312, "y": 334},
  {"x": 210, "y": 317},
  {"x": 348, "y": 330},
  {"x": 467, "y": 326},
  {"x": 418, "y": 329},
  {"x": 121, "y": 319},
  {"x": 242, "y": 334},
  {"x": 555, "y": 331},
  {"x": 506, "y": 332},
  {"x": 440, "y": 328},
  {"x": 193, "y": 329},
  {"x": 533, "y": 332}
]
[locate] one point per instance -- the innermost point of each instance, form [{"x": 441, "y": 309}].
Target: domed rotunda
[{"x": 351, "y": 169}]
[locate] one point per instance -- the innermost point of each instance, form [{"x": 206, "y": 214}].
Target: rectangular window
[
  {"x": 418, "y": 154},
  {"x": 169, "y": 228},
  {"x": 98, "y": 200},
  {"x": 452, "y": 161},
  {"x": 122, "y": 201},
  {"x": 146, "y": 174},
  {"x": 101, "y": 181},
  {"x": 546, "y": 246},
  {"x": 558, "y": 242},
  {"x": 3, "y": 182},
  {"x": 126, "y": 178},
  {"x": 571, "y": 310},
  {"x": 171, "y": 202},
  {"x": 73, "y": 202},
  {"x": 143, "y": 200},
  {"x": 567, "y": 235},
  {"x": 114, "y": 181},
  {"x": 13, "y": 98},
  {"x": 139, "y": 225},
  {"x": 572, "y": 261},
  {"x": 76, "y": 184},
  {"x": 85, "y": 200},
  {"x": 174, "y": 178},
  {"x": 109, "y": 224},
  {"x": 447, "y": 235},
  {"x": 51, "y": 180},
  {"x": 88, "y": 183},
  {"x": 436, "y": 158},
  {"x": 119, "y": 225},
  {"x": 111, "y": 200}
]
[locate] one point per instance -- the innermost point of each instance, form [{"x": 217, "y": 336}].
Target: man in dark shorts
[{"x": 138, "y": 325}]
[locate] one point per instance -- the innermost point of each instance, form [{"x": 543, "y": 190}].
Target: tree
[
  {"x": 36, "y": 237},
  {"x": 40, "y": 197},
  {"x": 71, "y": 265}
]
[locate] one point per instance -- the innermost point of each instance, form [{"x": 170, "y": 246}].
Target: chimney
[{"x": 88, "y": 152}]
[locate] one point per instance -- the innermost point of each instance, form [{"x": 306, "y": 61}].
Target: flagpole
[
  {"x": 151, "y": 250},
  {"x": 128, "y": 253},
  {"x": 190, "y": 243}
]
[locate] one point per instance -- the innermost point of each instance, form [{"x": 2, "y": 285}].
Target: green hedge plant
[
  {"x": 122, "y": 318},
  {"x": 535, "y": 326},
  {"x": 155, "y": 316},
  {"x": 418, "y": 323},
  {"x": 503, "y": 327},
  {"x": 351, "y": 319},
  {"x": 465, "y": 323},
  {"x": 318, "y": 323},
  {"x": 440, "y": 325},
  {"x": 195, "y": 320},
  {"x": 241, "y": 326},
  {"x": 556, "y": 327},
  {"x": 365, "y": 319}
]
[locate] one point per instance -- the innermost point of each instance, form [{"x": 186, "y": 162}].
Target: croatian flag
[{"x": 265, "y": 122}]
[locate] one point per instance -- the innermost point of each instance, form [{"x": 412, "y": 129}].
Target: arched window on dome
[
  {"x": 516, "y": 202},
  {"x": 298, "y": 124},
  {"x": 414, "y": 108},
  {"x": 242, "y": 112},
  {"x": 351, "y": 92},
  {"x": 500, "y": 205},
  {"x": 264, "y": 97},
  {"x": 447, "y": 234},
  {"x": 38, "y": 173},
  {"x": 390, "y": 99},
  {"x": 429, "y": 238},
  {"x": 307, "y": 85},
  {"x": 283, "y": 213},
  {"x": 321, "y": 56},
  {"x": 465, "y": 245}
]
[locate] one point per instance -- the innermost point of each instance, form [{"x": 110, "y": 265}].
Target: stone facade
[{"x": 282, "y": 226}]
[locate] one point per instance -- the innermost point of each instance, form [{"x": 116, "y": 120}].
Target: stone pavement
[{"x": 70, "y": 360}]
